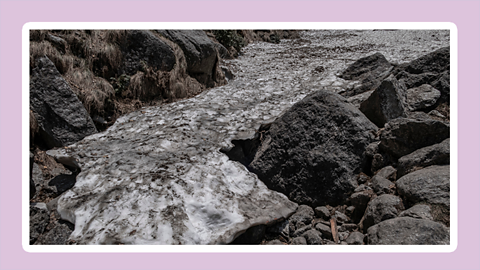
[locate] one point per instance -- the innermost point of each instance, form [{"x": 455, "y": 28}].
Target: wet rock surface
[{"x": 157, "y": 176}]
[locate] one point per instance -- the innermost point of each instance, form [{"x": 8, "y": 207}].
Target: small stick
[{"x": 333, "y": 225}]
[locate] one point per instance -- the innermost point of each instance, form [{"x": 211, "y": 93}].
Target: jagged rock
[
  {"x": 325, "y": 230},
  {"x": 144, "y": 48},
  {"x": 58, "y": 235},
  {"x": 416, "y": 80},
  {"x": 348, "y": 227},
  {"x": 200, "y": 53},
  {"x": 355, "y": 238},
  {"x": 429, "y": 185},
  {"x": 381, "y": 208},
  {"x": 421, "y": 211},
  {"x": 303, "y": 216},
  {"x": 434, "y": 62},
  {"x": 402, "y": 136},
  {"x": 357, "y": 100},
  {"x": 275, "y": 242},
  {"x": 253, "y": 235},
  {"x": 301, "y": 230},
  {"x": 422, "y": 97},
  {"x": 388, "y": 172},
  {"x": 313, "y": 237},
  {"x": 442, "y": 83},
  {"x": 370, "y": 70},
  {"x": 360, "y": 201},
  {"x": 322, "y": 212},
  {"x": 61, "y": 117},
  {"x": 306, "y": 138},
  {"x": 299, "y": 241},
  {"x": 382, "y": 185},
  {"x": 387, "y": 102},
  {"x": 408, "y": 231},
  {"x": 341, "y": 217},
  {"x": 280, "y": 228},
  {"x": 39, "y": 219},
  {"x": 437, "y": 154}
]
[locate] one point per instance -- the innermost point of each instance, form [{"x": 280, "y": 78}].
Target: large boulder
[
  {"x": 408, "y": 231},
  {"x": 314, "y": 150},
  {"x": 422, "y": 97},
  {"x": 369, "y": 70},
  {"x": 436, "y": 62},
  {"x": 437, "y": 154},
  {"x": 61, "y": 117},
  {"x": 387, "y": 102},
  {"x": 381, "y": 208},
  {"x": 402, "y": 136},
  {"x": 200, "y": 52},
  {"x": 144, "y": 49},
  {"x": 430, "y": 185}
]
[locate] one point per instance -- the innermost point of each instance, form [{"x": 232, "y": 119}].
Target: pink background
[{"x": 465, "y": 14}]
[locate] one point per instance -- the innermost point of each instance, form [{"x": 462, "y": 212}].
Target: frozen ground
[{"x": 157, "y": 175}]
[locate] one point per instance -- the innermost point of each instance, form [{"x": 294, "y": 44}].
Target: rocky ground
[{"x": 336, "y": 137}]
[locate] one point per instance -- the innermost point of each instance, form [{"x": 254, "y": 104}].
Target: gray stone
[
  {"x": 437, "y": 154},
  {"x": 313, "y": 237},
  {"x": 382, "y": 186},
  {"x": 408, "y": 231},
  {"x": 342, "y": 236},
  {"x": 322, "y": 212},
  {"x": 39, "y": 219},
  {"x": 434, "y": 62},
  {"x": 421, "y": 211},
  {"x": 402, "y": 136},
  {"x": 388, "y": 172},
  {"x": 300, "y": 157},
  {"x": 58, "y": 235},
  {"x": 299, "y": 241},
  {"x": 415, "y": 80},
  {"x": 355, "y": 238},
  {"x": 360, "y": 201},
  {"x": 422, "y": 97},
  {"x": 301, "y": 230},
  {"x": 431, "y": 184},
  {"x": 275, "y": 242},
  {"x": 325, "y": 230},
  {"x": 381, "y": 208},
  {"x": 442, "y": 83},
  {"x": 387, "y": 102},
  {"x": 61, "y": 116},
  {"x": 350, "y": 227},
  {"x": 341, "y": 217}
]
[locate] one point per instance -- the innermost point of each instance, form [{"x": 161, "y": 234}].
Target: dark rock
[
  {"x": 304, "y": 214},
  {"x": 301, "y": 230},
  {"x": 349, "y": 210},
  {"x": 341, "y": 217},
  {"x": 275, "y": 242},
  {"x": 322, "y": 212},
  {"x": 342, "y": 236},
  {"x": 362, "y": 178},
  {"x": 200, "y": 53},
  {"x": 57, "y": 42},
  {"x": 435, "y": 62},
  {"x": 144, "y": 48},
  {"x": 415, "y": 80},
  {"x": 381, "y": 208},
  {"x": 33, "y": 190},
  {"x": 58, "y": 235},
  {"x": 357, "y": 100},
  {"x": 360, "y": 201},
  {"x": 39, "y": 219},
  {"x": 313, "y": 237},
  {"x": 370, "y": 70},
  {"x": 382, "y": 185},
  {"x": 349, "y": 227},
  {"x": 280, "y": 228},
  {"x": 325, "y": 230},
  {"x": 355, "y": 238},
  {"x": 421, "y": 211},
  {"x": 430, "y": 185},
  {"x": 443, "y": 84},
  {"x": 253, "y": 235},
  {"x": 299, "y": 241},
  {"x": 422, "y": 97},
  {"x": 387, "y": 102},
  {"x": 61, "y": 117},
  {"x": 388, "y": 172},
  {"x": 62, "y": 183},
  {"x": 402, "y": 136},
  {"x": 314, "y": 150},
  {"x": 362, "y": 187},
  {"x": 408, "y": 231},
  {"x": 222, "y": 51},
  {"x": 437, "y": 154}
]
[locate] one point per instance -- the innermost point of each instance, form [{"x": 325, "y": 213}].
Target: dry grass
[{"x": 63, "y": 62}]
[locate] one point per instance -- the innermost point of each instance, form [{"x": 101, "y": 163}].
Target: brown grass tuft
[{"x": 63, "y": 62}]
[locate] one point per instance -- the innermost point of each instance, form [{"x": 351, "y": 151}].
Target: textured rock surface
[
  {"x": 402, "y": 136},
  {"x": 61, "y": 117},
  {"x": 58, "y": 235},
  {"x": 309, "y": 153},
  {"x": 382, "y": 185},
  {"x": 387, "y": 102},
  {"x": 355, "y": 238},
  {"x": 422, "y": 97},
  {"x": 39, "y": 219},
  {"x": 381, "y": 208},
  {"x": 437, "y": 62},
  {"x": 408, "y": 231},
  {"x": 313, "y": 237},
  {"x": 421, "y": 211},
  {"x": 437, "y": 154}
]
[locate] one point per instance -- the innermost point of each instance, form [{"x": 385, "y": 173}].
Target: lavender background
[{"x": 465, "y": 14}]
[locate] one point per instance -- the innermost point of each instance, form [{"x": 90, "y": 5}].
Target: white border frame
[{"x": 247, "y": 248}]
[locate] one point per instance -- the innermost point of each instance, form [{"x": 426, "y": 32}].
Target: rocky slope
[{"x": 331, "y": 119}]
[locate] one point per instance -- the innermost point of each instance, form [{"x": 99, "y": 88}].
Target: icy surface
[{"x": 157, "y": 175}]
